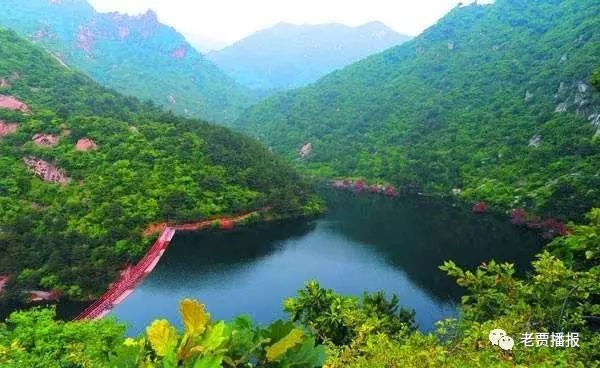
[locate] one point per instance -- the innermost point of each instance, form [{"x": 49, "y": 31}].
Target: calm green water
[{"x": 363, "y": 243}]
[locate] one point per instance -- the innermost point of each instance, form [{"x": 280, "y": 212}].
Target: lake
[{"x": 363, "y": 243}]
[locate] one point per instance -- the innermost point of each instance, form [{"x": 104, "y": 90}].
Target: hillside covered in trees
[
  {"x": 83, "y": 170},
  {"x": 498, "y": 102},
  {"x": 493, "y": 101},
  {"x": 135, "y": 55}
]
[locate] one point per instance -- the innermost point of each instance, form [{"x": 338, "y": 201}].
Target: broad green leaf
[
  {"x": 307, "y": 355},
  {"x": 170, "y": 360},
  {"x": 214, "y": 338},
  {"x": 278, "y": 349},
  {"x": 209, "y": 362},
  {"x": 277, "y": 330}
]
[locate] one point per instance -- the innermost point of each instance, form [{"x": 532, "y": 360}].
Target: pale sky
[{"x": 213, "y": 24}]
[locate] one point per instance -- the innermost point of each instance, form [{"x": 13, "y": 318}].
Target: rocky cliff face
[
  {"x": 85, "y": 144},
  {"x": 46, "y": 171},
  {"x": 7, "y": 128},
  {"x": 12, "y": 103}
]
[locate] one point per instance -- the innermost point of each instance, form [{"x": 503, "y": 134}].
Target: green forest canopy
[
  {"x": 149, "y": 166},
  {"x": 493, "y": 100},
  {"x": 94, "y": 222}
]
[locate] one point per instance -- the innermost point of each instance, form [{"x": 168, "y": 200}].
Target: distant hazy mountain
[
  {"x": 136, "y": 55},
  {"x": 287, "y": 55}
]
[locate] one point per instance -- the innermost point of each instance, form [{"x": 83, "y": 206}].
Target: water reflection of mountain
[
  {"x": 414, "y": 235},
  {"x": 418, "y": 234},
  {"x": 198, "y": 253}
]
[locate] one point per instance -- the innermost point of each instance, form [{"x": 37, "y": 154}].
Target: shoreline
[
  {"x": 548, "y": 227},
  {"x": 132, "y": 276}
]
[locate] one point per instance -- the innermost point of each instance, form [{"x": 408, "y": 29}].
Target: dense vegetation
[
  {"x": 148, "y": 166},
  {"x": 595, "y": 80},
  {"x": 493, "y": 100},
  {"x": 288, "y": 55},
  {"x": 136, "y": 55},
  {"x": 561, "y": 295},
  {"x": 34, "y": 339}
]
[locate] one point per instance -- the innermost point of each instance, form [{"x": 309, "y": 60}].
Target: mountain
[
  {"x": 136, "y": 55},
  {"x": 493, "y": 101},
  {"x": 288, "y": 55},
  {"x": 84, "y": 170}
]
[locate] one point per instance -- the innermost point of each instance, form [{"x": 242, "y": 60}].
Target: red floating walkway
[{"x": 132, "y": 277}]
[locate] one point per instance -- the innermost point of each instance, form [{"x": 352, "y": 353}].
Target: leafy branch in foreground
[
  {"x": 36, "y": 339},
  {"x": 340, "y": 319},
  {"x": 561, "y": 295}
]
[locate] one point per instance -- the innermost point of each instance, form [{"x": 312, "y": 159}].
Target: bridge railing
[
  {"x": 129, "y": 280},
  {"x": 137, "y": 273}
]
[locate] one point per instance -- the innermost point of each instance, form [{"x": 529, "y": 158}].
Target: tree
[{"x": 595, "y": 79}]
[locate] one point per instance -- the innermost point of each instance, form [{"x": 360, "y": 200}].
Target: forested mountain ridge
[
  {"x": 288, "y": 55},
  {"x": 83, "y": 170},
  {"x": 136, "y": 55},
  {"x": 493, "y": 100}
]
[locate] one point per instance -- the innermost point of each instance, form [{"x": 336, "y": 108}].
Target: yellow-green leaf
[
  {"x": 130, "y": 342},
  {"x": 209, "y": 362},
  {"x": 215, "y": 337},
  {"x": 278, "y": 349},
  {"x": 194, "y": 316},
  {"x": 162, "y": 336}
]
